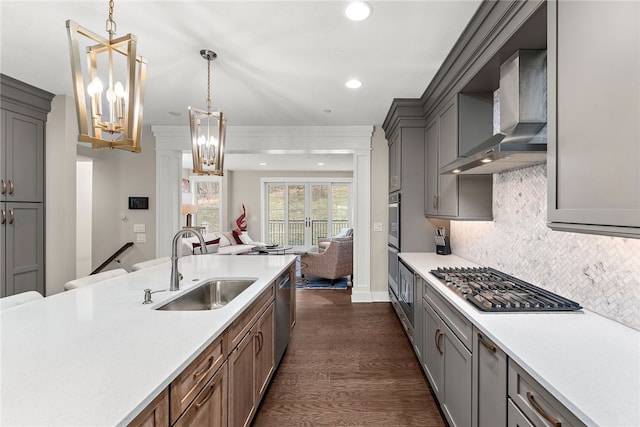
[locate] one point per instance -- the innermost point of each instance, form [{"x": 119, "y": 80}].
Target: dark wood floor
[{"x": 347, "y": 365}]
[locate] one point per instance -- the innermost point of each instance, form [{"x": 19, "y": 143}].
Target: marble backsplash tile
[{"x": 601, "y": 273}]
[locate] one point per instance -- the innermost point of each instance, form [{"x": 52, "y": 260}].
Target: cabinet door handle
[
  {"x": 554, "y": 421},
  {"x": 491, "y": 348},
  {"x": 4, "y": 186},
  {"x": 439, "y": 335},
  {"x": 11, "y": 216},
  {"x": 212, "y": 388},
  {"x": 196, "y": 374},
  {"x": 4, "y": 217},
  {"x": 10, "y": 187}
]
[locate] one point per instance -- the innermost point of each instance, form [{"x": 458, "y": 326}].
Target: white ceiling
[{"x": 279, "y": 62}]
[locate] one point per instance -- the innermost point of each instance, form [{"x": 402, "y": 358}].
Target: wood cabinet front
[
  {"x": 156, "y": 414},
  {"x": 209, "y": 408}
]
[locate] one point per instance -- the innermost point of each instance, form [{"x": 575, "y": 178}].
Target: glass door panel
[
  {"x": 339, "y": 207},
  {"x": 297, "y": 214},
  {"x": 276, "y": 214},
  {"x": 319, "y": 212}
]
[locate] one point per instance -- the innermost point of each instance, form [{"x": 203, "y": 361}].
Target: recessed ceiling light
[
  {"x": 328, "y": 111},
  {"x": 353, "y": 84},
  {"x": 320, "y": 164},
  {"x": 175, "y": 113},
  {"x": 457, "y": 171},
  {"x": 358, "y": 10},
  {"x": 486, "y": 160},
  {"x": 263, "y": 164}
]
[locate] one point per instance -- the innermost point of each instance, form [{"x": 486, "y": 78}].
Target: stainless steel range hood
[{"x": 522, "y": 140}]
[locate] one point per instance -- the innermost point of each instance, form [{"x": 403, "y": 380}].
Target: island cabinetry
[
  {"x": 456, "y": 127},
  {"x": 489, "y": 385},
  {"x": 593, "y": 135},
  {"x": 251, "y": 363},
  {"x": 191, "y": 382},
  {"x": 209, "y": 408},
  {"x": 534, "y": 402},
  {"x": 418, "y": 323},
  {"x": 156, "y": 414}
]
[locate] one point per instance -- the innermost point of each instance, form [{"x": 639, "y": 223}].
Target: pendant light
[
  {"x": 108, "y": 84},
  {"x": 208, "y": 130}
]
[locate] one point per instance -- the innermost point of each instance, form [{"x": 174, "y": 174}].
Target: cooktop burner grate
[{"x": 491, "y": 290}]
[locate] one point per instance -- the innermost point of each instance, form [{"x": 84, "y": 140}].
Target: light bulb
[
  {"x": 358, "y": 11},
  {"x": 94, "y": 87},
  {"x": 119, "y": 90},
  {"x": 111, "y": 96}
]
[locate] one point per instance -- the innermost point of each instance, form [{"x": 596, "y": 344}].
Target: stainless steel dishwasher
[{"x": 283, "y": 314}]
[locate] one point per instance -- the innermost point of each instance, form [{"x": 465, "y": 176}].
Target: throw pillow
[
  {"x": 210, "y": 245},
  {"x": 229, "y": 236},
  {"x": 245, "y": 239}
]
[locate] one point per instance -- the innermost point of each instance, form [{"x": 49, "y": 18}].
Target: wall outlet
[
  {"x": 141, "y": 238},
  {"x": 377, "y": 226},
  {"x": 138, "y": 228}
]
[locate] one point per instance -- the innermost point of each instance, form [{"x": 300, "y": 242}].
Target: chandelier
[
  {"x": 108, "y": 84},
  {"x": 208, "y": 129}
]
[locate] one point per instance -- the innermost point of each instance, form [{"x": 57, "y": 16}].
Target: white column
[{"x": 362, "y": 239}]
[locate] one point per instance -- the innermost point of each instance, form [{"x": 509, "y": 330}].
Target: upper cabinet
[
  {"x": 404, "y": 129},
  {"x": 594, "y": 111},
  {"x": 463, "y": 120}
]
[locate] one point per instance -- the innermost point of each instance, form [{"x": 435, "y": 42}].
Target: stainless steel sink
[{"x": 210, "y": 295}]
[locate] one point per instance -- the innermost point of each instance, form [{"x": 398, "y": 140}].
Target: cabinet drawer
[
  {"x": 242, "y": 324},
  {"x": 189, "y": 383},
  {"x": 515, "y": 418},
  {"x": 536, "y": 402},
  {"x": 209, "y": 408},
  {"x": 460, "y": 326}
]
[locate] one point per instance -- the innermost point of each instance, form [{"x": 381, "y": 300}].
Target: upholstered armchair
[
  {"x": 345, "y": 234},
  {"x": 335, "y": 262}
]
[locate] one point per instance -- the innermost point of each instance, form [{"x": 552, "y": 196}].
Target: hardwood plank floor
[{"x": 347, "y": 365}]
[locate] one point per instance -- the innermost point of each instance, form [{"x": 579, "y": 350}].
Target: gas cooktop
[{"x": 491, "y": 290}]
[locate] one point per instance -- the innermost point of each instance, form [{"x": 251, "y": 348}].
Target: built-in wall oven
[{"x": 394, "y": 241}]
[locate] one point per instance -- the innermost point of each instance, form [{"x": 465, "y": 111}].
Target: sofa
[{"x": 223, "y": 243}]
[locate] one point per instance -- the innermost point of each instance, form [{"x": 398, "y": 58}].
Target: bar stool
[
  {"x": 150, "y": 263},
  {"x": 94, "y": 278},
  {"x": 19, "y": 299}
]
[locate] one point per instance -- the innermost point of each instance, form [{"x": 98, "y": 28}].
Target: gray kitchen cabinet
[
  {"x": 447, "y": 363},
  {"x": 593, "y": 110},
  {"x": 24, "y": 110},
  {"x": 489, "y": 383},
  {"x": 457, "y": 127},
  {"x": 516, "y": 417},
  {"x": 418, "y": 324},
  {"x": 22, "y": 247},
  {"x": 395, "y": 166},
  {"x": 538, "y": 405}
]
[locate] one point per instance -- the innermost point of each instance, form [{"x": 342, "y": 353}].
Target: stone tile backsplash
[{"x": 599, "y": 272}]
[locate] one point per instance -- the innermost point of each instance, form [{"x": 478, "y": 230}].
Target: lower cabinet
[
  {"x": 489, "y": 383},
  {"x": 156, "y": 414},
  {"x": 448, "y": 367},
  {"x": 251, "y": 365},
  {"x": 209, "y": 408}
]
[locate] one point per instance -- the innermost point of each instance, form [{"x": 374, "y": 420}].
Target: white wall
[
  {"x": 379, "y": 213},
  {"x": 84, "y": 216},
  {"x": 60, "y": 193},
  {"x": 601, "y": 273},
  {"x": 118, "y": 174}
]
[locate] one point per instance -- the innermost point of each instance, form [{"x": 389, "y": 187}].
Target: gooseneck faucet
[{"x": 175, "y": 274}]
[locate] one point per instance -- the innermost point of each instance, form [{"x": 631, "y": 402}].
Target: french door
[{"x": 298, "y": 213}]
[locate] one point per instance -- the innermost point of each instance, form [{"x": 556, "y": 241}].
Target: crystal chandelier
[
  {"x": 108, "y": 86},
  {"x": 208, "y": 130}
]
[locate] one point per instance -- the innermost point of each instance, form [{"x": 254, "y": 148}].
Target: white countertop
[
  {"x": 98, "y": 356},
  {"x": 591, "y": 364}
]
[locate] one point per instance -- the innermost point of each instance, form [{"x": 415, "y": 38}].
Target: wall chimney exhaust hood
[{"x": 522, "y": 140}]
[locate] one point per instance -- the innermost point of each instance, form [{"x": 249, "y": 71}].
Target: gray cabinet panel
[
  {"x": 24, "y": 248},
  {"x": 593, "y": 128},
  {"x": 432, "y": 138},
  {"x": 489, "y": 383},
  {"x": 448, "y": 152},
  {"x": 23, "y": 155},
  {"x": 457, "y": 374},
  {"x": 418, "y": 323},
  {"x": 432, "y": 357}
]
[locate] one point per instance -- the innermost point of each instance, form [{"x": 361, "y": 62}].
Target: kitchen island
[
  {"x": 589, "y": 363},
  {"x": 98, "y": 356}
]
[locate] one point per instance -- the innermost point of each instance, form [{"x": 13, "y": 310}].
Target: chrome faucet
[{"x": 175, "y": 274}]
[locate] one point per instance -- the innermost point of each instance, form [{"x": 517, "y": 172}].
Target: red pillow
[
  {"x": 210, "y": 242},
  {"x": 236, "y": 235}
]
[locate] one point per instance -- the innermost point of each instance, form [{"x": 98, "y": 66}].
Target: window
[{"x": 207, "y": 194}]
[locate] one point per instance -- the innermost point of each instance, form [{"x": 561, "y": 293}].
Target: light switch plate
[
  {"x": 138, "y": 228},
  {"x": 377, "y": 226},
  {"x": 141, "y": 238}
]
